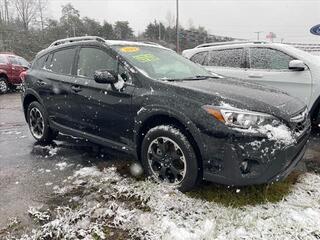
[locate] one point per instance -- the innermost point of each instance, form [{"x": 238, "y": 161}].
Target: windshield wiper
[{"x": 199, "y": 77}]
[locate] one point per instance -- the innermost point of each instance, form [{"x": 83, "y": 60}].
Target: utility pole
[
  {"x": 177, "y": 27},
  {"x": 159, "y": 30},
  {"x": 258, "y": 34},
  {"x": 6, "y": 11}
]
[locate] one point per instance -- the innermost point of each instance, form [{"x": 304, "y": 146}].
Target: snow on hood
[{"x": 146, "y": 210}]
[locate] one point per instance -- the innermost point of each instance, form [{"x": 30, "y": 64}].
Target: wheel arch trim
[{"x": 149, "y": 113}]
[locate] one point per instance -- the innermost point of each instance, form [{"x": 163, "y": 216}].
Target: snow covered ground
[{"x": 100, "y": 203}]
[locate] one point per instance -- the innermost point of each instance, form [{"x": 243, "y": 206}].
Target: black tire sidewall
[
  {"x": 48, "y": 134},
  {"x": 192, "y": 171}
]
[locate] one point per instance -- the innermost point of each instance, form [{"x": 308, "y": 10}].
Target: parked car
[
  {"x": 181, "y": 122},
  {"x": 278, "y": 65},
  {"x": 11, "y": 67}
]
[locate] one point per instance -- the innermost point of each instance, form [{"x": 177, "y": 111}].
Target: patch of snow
[
  {"x": 39, "y": 215},
  {"x": 161, "y": 212},
  {"x": 62, "y": 165},
  {"x": 141, "y": 110}
]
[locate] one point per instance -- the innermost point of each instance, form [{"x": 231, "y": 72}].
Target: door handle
[
  {"x": 41, "y": 82},
  {"x": 255, "y": 76},
  {"x": 76, "y": 88}
]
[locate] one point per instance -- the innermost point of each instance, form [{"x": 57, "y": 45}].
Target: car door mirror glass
[
  {"x": 297, "y": 65},
  {"x": 105, "y": 76}
]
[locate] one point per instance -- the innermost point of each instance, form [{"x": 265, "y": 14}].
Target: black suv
[{"x": 183, "y": 123}]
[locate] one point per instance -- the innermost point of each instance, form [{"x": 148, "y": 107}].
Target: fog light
[{"x": 244, "y": 167}]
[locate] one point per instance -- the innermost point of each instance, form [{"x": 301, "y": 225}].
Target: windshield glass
[
  {"x": 160, "y": 63},
  {"x": 23, "y": 62}
]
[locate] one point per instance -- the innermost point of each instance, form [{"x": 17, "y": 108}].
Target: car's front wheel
[
  {"x": 4, "y": 86},
  {"x": 39, "y": 124},
  {"x": 168, "y": 156}
]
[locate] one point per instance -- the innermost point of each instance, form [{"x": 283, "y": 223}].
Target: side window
[
  {"x": 125, "y": 74},
  {"x": 14, "y": 60},
  {"x": 267, "y": 58},
  {"x": 199, "y": 57},
  {"x": 61, "y": 61},
  {"x": 3, "y": 59},
  {"x": 39, "y": 63},
  {"x": 93, "y": 59},
  {"x": 226, "y": 58}
]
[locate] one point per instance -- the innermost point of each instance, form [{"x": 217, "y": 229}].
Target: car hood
[{"x": 244, "y": 95}]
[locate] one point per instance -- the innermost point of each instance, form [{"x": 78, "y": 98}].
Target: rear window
[
  {"x": 61, "y": 61},
  {"x": 226, "y": 58}
]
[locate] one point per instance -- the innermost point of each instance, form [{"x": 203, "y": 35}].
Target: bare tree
[
  {"x": 42, "y": 6},
  {"x": 170, "y": 19},
  {"x": 27, "y": 11}
]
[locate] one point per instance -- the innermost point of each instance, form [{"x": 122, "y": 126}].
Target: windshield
[
  {"x": 160, "y": 63},
  {"x": 23, "y": 62}
]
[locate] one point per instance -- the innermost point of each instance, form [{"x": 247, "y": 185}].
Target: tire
[
  {"x": 39, "y": 124},
  {"x": 167, "y": 156},
  {"x": 4, "y": 86},
  {"x": 315, "y": 121}
]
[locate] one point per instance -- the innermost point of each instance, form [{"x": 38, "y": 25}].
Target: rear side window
[
  {"x": 199, "y": 57},
  {"x": 93, "y": 59},
  {"x": 267, "y": 58},
  {"x": 61, "y": 62},
  {"x": 226, "y": 58}
]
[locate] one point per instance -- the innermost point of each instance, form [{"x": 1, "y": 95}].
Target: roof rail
[
  {"x": 226, "y": 43},
  {"x": 76, "y": 39}
]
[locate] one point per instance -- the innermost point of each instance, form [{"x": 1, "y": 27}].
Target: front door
[
  {"x": 106, "y": 108},
  {"x": 270, "y": 67}
]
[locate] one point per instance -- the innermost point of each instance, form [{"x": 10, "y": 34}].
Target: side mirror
[
  {"x": 297, "y": 65},
  {"x": 105, "y": 76}
]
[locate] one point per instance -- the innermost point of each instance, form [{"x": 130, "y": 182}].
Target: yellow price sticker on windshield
[{"x": 130, "y": 49}]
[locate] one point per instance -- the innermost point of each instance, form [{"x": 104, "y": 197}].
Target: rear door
[
  {"x": 106, "y": 110},
  {"x": 55, "y": 83},
  {"x": 270, "y": 67},
  {"x": 227, "y": 62}
]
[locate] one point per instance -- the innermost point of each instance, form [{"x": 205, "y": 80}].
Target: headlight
[{"x": 241, "y": 118}]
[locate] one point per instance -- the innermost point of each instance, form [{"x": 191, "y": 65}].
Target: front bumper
[{"x": 242, "y": 159}]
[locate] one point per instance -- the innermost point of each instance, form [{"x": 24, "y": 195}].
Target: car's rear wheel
[
  {"x": 39, "y": 124},
  {"x": 4, "y": 86},
  {"x": 168, "y": 156}
]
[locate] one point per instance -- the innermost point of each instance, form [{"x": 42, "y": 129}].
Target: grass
[{"x": 249, "y": 195}]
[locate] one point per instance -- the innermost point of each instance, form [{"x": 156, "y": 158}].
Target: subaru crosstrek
[{"x": 183, "y": 123}]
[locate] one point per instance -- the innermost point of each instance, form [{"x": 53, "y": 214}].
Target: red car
[{"x": 11, "y": 66}]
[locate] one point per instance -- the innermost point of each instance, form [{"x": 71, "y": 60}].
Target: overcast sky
[{"x": 289, "y": 19}]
